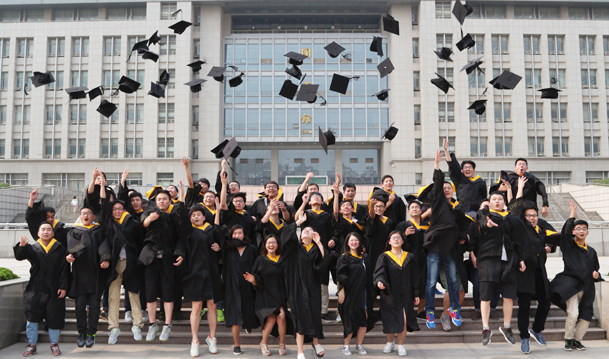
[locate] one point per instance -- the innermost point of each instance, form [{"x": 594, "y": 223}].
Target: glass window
[
  {"x": 556, "y": 43},
  {"x": 478, "y": 148},
  {"x": 11, "y": 16},
  {"x": 5, "y": 47},
  {"x": 78, "y": 114},
  {"x": 164, "y": 179},
  {"x": 361, "y": 166},
  {"x": 495, "y": 12},
  {"x": 168, "y": 45},
  {"x": 536, "y": 147},
  {"x": 524, "y": 12},
  {"x": 253, "y": 122},
  {"x": 549, "y": 12},
  {"x": 34, "y": 15},
  {"x": 25, "y": 47},
  {"x": 300, "y": 162},
  {"x": 3, "y": 114},
  {"x": 166, "y": 113},
  {"x": 167, "y": 10},
  {"x": 586, "y": 44},
  {"x": 600, "y": 13},
  {"x": 560, "y": 146},
  {"x": 165, "y": 151},
  {"x": 87, "y": 14},
  {"x": 254, "y": 167},
  {"x": 80, "y": 46},
  {"x": 592, "y": 146},
  {"x": 417, "y": 148},
  {"x": 415, "y": 47},
  {"x": 134, "y": 149},
  {"x": 595, "y": 176},
  {"x": 116, "y": 13},
  {"x": 503, "y": 146},
  {"x": 578, "y": 13},
  {"x": 194, "y": 149},
  {"x": 443, "y": 10},
  {"x": 53, "y": 116},
  {"x": 531, "y": 44},
  {"x": 138, "y": 13}
]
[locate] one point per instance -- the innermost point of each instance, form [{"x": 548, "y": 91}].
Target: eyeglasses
[
  {"x": 86, "y": 213},
  {"x": 531, "y": 216},
  {"x": 234, "y": 185},
  {"x": 580, "y": 229},
  {"x": 271, "y": 187},
  {"x": 117, "y": 209}
]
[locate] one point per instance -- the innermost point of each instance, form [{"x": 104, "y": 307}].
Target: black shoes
[
  {"x": 507, "y": 334},
  {"x": 568, "y": 345},
  {"x": 578, "y": 345},
  {"x": 81, "y": 340},
  {"x": 90, "y": 342},
  {"x": 486, "y": 336}
]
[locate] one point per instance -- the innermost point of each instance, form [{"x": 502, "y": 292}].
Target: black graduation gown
[
  {"x": 414, "y": 244},
  {"x": 231, "y": 217},
  {"x": 298, "y": 203},
  {"x": 359, "y": 210},
  {"x": 271, "y": 227},
  {"x": 193, "y": 197},
  {"x": 470, "y": 191},
  {"x": 342, "y": 228},
  {"x": 396, "y": 211},
  {"x": 350, "y": 271},
  {"x": 302, "y": 271},
  {"x": 36, "y": 215},
  {"x": 48, "y": 274},
  {"x": 239, "y": 294},
  {"x": 123, "y": 195},
  {"x": 400, "y": 283},
  {"x": 271, "y": 293},
  {"x": 93, "y": 200},
  {"x": 258, "y": 209},
  {"x": 532, "y": 188},
  {"x": 86, "y": 245},
  {"x": 579, "y": 263}
]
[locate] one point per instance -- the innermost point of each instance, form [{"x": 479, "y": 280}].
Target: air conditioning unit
[
  {"x": 507, "y": 120},
  {"x": 582, "y": 52},
  {"x": 565, "y": 154},
  {"x": 584, "y": 86},
  {"x": 589, "y": 52},
  {"x": 597, "y": 153},
  {"x": 5, "y": 56},
  {"x": 85, "y": 54},
  {"x": 495, "y": 52},
  {"x": 594, "y": 86},
  {"x": 536, "y": 52},
  {"x": 527, "y": 52},
  {"x": 541, "y": 155},
  {"x": 114, "y": 156},
  {"x": 552, "y": 52},
  {"x": 416, "y": 56},
  {"x": 505, "y": 52},
  {"x": 60, "y": 54},
  {"x": 70, "y": 156},
  {"x": 15, "y": 156},
  {"x": 561, "y": 52},
  {"x": 595, "y": 120}
]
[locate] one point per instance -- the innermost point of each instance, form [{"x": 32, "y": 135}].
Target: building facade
[{"x": 46, "y": 139}]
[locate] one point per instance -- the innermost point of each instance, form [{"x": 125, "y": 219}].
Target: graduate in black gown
[
  {"x": 234, "y": 212},
  {"x": 308, "y": 188},
  {"x": 353, "y": 292},
  {"x": 305, "y": 260},
  {"x": 396, "y": 209},
  {"x": 271, "y": 223},
  {"x": 397, "y": 278},
  {"x": 37, "y": 213},
  {"x": 195, "y": 195},
  {"x": 268, "y": 276},
  {"x": 238, "y": 257},
  {"x": 344, "y": 221},
  {"x": 348, "y": 194}
]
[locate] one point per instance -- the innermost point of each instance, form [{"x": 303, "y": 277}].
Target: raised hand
[
  {"x": 185, "y": 161},
  {"x": 410, "y": 230},
  {"x": 310, "y": 175},
  {"x": 438, "y": 155},
  {"x": 34, "y": 194},
  {"x": 95, "y": 173},
  {"x": 249, "y": 277},
  {"x": 124, "y": 175},
  {"x": 445, "y": 145},
  {"x": 153, "y": 216},
  {"x": 490, "y": 223},
  {"x": 339, "y": 178},
  {"x": 521, "y": 182},
  {"x": 316, "y": 238},
  {"x": 573, "y": 207},
  {"x": 302, "y": 219},
  {"x": 23, "y": 241}
]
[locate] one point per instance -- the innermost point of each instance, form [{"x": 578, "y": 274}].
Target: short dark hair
[
  {"x": 232, "y": 230},
  {"x": 470, "y": 162},
  {"x": 46, "y": 222},
  {"x": 237, "y": 182},
  {"x": 49, "y": 209},
  {"x": 388, "y": 246},
  {"x": 385, "y": 177},
  {"x": 360, "y": 248},
  {"x": 171, "y": 185},
  {"x": 119, "y": 202},
  {"x": 343, "y": 202},
  {"x": 103, "y": 174},
  {"x": 271, "y": 182},
  {"x": 316, "y": 194},
  {"x": 135, "y": 194},
  {"x": 349, "y": 185},
  {"x": 263, "y": 251},
  {"x": 313, "y": 184},
  {"x": 86, "y": 206},
  {"x": 205, "y": 180},
  {"x": 416, "y": 201},
  {"x": 521, "y": 159},
  {"x": 529, "y": 205},
  {"x": 212, "y": 192},
  {"x": 241, "y": 195},
  {"x": 196, "y": 208},
  {"x": 580, "y": 221},
  {"x": 164, "y": 191}
]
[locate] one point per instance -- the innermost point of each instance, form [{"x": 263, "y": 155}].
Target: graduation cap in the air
[
  {"x": 472, "y": 66},
  {"x": 106, "y": 108},
  {"x": 98, "y": 91},
  {"x": 149, "y": 55},
  {"x": 506, "y": 81},
  {"x": 479, "y": 106},
  {"x": 424, "y": 192},
  {"x": 156, "y": 90},
  {"x": 294, "y": 72},
  {"x": 307, "y": 93},
  {"x": 295, "y": 58},
  {"x": 382, "y": 95},
  {"x": 140, "y": 47},
  {"x": 151, "y": 194},
  {"x": 391, "y": 25},
  {"x": 461, "y": 11},
  {"x": 441, "y": 83},
  {"x": 377, "y": 45},
  {"x": 128, "y": 85},
  {"x": 341, "y": 83},
  {"x": 154, "y": 39},
  {"x": 390, "y": 133},
  {"x": 379, "y": 194},
  {"x": 466, "y": 42},
  {"x": 77, "y": 92},
  {"x": 195, "y": 85},
  {"x": 549, "y": 92},
  {"x": 217, "y": 72},
  {"x": 288, "y": 90},
  {"x": 237, "y": 80},
  {"x": 334, "y": 49},
  {"x": 385, "y": 67},
  {"x": 326, "y": 138},
  {"x": 180, "y": 26},
  {"x": 444, "y": 54},
  {"x": 196, "y": 66},
  {"x": 164, "y": 78},
  {"x": 226, "y": 149},
  {"x": 42, "y": 78}
]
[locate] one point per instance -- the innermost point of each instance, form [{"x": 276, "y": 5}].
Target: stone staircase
[
  {"x": 559, "y": 208},
  {"x": 469, "y": 332}
]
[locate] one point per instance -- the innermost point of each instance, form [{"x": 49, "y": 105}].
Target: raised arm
[
  {"x": 303, "y": 186},
  {"x": 336, "y": 189},
  {"x": 371, "y": 212},
  {"x": 305, "y": 199},
  {"x": 218, "y": 211},
  {"x": 33, "y": 197},
  {"x": 124, "y": 178},
  {"x": 521, "y": 182},
  {"x": 269, "y": 210},
  {"x": 91, "y": 187},
  {"x": 102, "y": 189},
  {"x": 186, "y": 163},
  {"x": 224, "y": 179}
]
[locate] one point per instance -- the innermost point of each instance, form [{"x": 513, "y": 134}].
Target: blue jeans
[
  {"x": 31, "y": 330},
  {"x": 433, "y": 267}
]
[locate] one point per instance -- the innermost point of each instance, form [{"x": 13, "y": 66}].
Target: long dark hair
[
  {"x": 263, "y": 251},
  {"x": 232, "y": 230},
  {"x": 360, "y": 247},
  {"x": 388, "y": 246}
]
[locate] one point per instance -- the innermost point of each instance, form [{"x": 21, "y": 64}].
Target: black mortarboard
[
  {"x": 479, "y": 106},
  {"x": 382, "y": 95},
  {"x": 156, "y": 90},
  {"x": 334, "y": 49},
  {"x": 307, "y": 93},
  {"x": 412, "y": 198},
  {"x": 151, "y": 194},
  {"x": 339, "y": 84},
  {"x": 196, "y": 66},
  {"x": 549, "y": 92},
  {"x": 506, "y": 81},
  {"x": 180, "y": 26},
  {"x": 461, "y": 11},
  {"x": 42, "y": 78},
  {"x": 288, "y": 90},
  {"x": 77, "y": 92},
  {"x": 140, "y": 47},
  {"x": 466, "y": 42},
  {"x": 295, "y": 58},
  {"x": 424, "y": 192},
  {"x": 154, "y": 39},
  {"x": 380, "y": 195},
  {"x": 390, "y": 132},
  {"x": 195, "y": 85},
  {"x": 226, "y": 149},
  {"x": 377, "y": 45},
  {"x": 444, "y": 54},
  {"x": 98, "y": 91},
  {"x": 441, "y": 83},
  {"x": 472, "y": 66},
  {"x": 391, "y": 25},
  {"x": 149, "y": 55},
  {"x": 385, "y": 67},
  {"x": 164, "y": 77},
  {"x": 236, "y": 81},
  {"x": 106, "y": 108},
  {"x": 128, "y": 85},
  {"x": 217, "y": 72},
  {"x": 294, "y": 72},
  {"x": 326, "y": 139}
]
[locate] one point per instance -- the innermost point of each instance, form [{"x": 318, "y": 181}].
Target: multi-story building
[{"x": 46, "y": 139}]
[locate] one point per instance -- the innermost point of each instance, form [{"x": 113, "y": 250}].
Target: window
[
  {"x": 87, "y": 14},
  {"x": 299, "y": 162},
  {"x": 588, "y": 78},
  {"x": 556, "y": 44},
  {"x": 595, "y": 176},
  {"x": 167, "y": 10},
  {"x": 3, "y": 115},
  {"x": 360, "y": 165},
  {"x": 478, "y": 148},
  {"x": 165, "y": 151},
  {"x": 562, "y": 113},
  {"x": 14, "y": 179},
  {"x": 197, "y": 15},
  {"x": 447, "y": 74},
  {"x": 416, "y": 81},
  {"x": 534, "y": 112},
  {"x": 109, "y": 148},
  {"x": 451, "y": 144},
  {"x": 53, "y": 116},
  {"x": 2, "y": 148},
  {"x": 505, "y": 114},
  {"x": 476, "y": 79},
  {"x": 445, "y": 115},
  {"x": 443, "y": 10},
  {"x": 134, "y": 151},
  {"x": 593, "y": 150},
  {"x": 524, "y": 12},
  {"x": 168, "y": 42},
  {"x": 77, "y": 149},
  {"x": 138, "y": 13},
  {"x": 195, "y": 118},
  {"x": 196, "y": 48},
  {"x": 499, "y": 43},
  {"x": 444, "y": 40},
  {"x": 474, "y": 117},
  {"x": 57, "y": 47},
  {"x": 590, "y": 112},
  {"x": 22, "y": 113},
  {"x": 52, "y": 148},
  {"x": 415, "y": 14},
  {"x": 5, "y": 47},
  {"x": 78, "y": 114},
  {"x": 135, "y": 179},
  {"x": 536, "y": 147},
  {"x": 495, "y": 12},
  {"x": 478, "y": 48},
  {"x": 549, "y": 12},
  {"x": 34, "y": 15},
  {"x": 531, "y": 44},
  {"x": 4, "y": 81},
  {"x": 164, "y": 179},
  {"x": 166, "y": 115},
  {"x": 600, "y": 13},
  {"x": 58, "y": 84},
  {"x": 560, "y": 146},
  {"x": 415, "y": 47},
  {"x": 112, "y": 46},
  {"x": 11, "y": 16},
  {"x": 80, "y": 46},
  {"x": 21, "y": 149},
  {"x": 559, "y": 80},
  {"x": 135, "y": 113},
  {"x": 111, "y": 78},
  {"x": 139, "y": 77},
  {"x": 116, "y": 13},
  {"x": 417, "y": 115},
  {"x": 533, "y": 78},
  {"x": 63, "y": 15},
  {"x": 80, "y": 78},
  {"x": 578, "y": 13},
  {"x": 256, "y": 166},
  {"x": 195, "y": 149},
  {"x": 503, "y": 146},
  {"x": 172, "y": 78},
  {"x": 418, "y": 178},
  {"x": 25, "y": 47},
  {"x": 586, "y": 45},
  {"x": 21, "y": 78}
]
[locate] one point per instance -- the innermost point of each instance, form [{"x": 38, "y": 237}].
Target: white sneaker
[
  {"x": 361, "y": 350},
  {"x": 211, "y": 343},
  {"x": 346, "y": 350},
  {"x": 165, "y": 333},
  {"x": 137, "y": 333},
  {"x": 144, "y": 316},
  {"x": 402, "y": 351},
  {"x": 113, "y": 336},
  {"x": 194, "y": 349},
  {"x": 338, "y": 319},
  {"x": 389, "y": 347},
  {"x": 128, "y": 317},
  {"x": 300, "y": 356},
  {"x": 152, "y": 332}
]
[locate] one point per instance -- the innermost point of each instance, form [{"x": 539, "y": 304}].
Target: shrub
[{"x": 7, "y": 274}]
